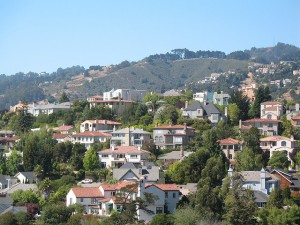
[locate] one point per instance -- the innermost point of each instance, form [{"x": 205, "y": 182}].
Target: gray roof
[
  {"x": 64, "y": 105},
  {"x": 175, "y": 155},
  {"x": 5, "y": 203},
  {"x": 15, "y": 209},
  {"x": 21, "y": 186},
  {"x": 172, "y": 93},
  {"x": 260, "y": 196},
  {"x": 208, "y": 108},
  {"x": 255, "y": 176},
  {"x": 29, "y": 175},
  {"x": 3, "y": 179},
  {"x": 138, "y": 170}
]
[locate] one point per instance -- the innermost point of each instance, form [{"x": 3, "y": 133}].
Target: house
[
  {"x": 94, "y": 98},
  {"x": 295, "y": 120},
  {"x": 262, "y": 183},
  {"x": 172, "y": 136},
  {"x": 230, "y": 147},
  {"x": 6, "y": 181},
  {"x": 279, "y": 143},
  {"x": 134, "y": 171},
  {"x": 113, "y": 104},
  {"x": 203, "y": 110},
  {"x": 169, "y": 158},
  {"x": 90, "y": 137},
  {"x": 116, "y": 156},
  {"x": 172, "y": 92},
  {"x": 220, "y": 98},
  {"x": 293, "y": 111},
  {"x": 258, "y": 180},
  {"x": 26, "y": 177},
  {"x": 125, "y": 94},
  {"x": 63, "y": 129},
  {"x": 99, "y": 125},
  {"x": 61, "y": 137},
  {"x": 288, "y": 180},
  {"x": 107, "y": 197},
  {"x": 129, "y": 136},
  {"x": 271, "y": 110},
  {"x": 268, "y": 127},
  {"x": 47, "y": 109}
]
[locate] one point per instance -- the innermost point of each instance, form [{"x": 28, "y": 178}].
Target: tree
[
  {"x": 13, "y": 163},
  {"x": 162, "y": 219},
  {"x": 90, "y": 160},
  {"x": 239, "y": 205},
  {"x": 45, "y": 187},
  {"x": 279, "y": 160},
  {"x": 56, "y": 214},
  {"x": 248, "y": 160},
  {"x": 187, "y": 216},
  {"x": 242, "y": 101},
  {"x": 23, "y": 197},
  {"x": 77, "y": 156},
  {"x": 262, "y": 95},
  {"x": 22, "y": 121},
  {"x": 64, "y": 98},
  {"x": 234, "y": 113},
  {"x": 8, "y": 219}
]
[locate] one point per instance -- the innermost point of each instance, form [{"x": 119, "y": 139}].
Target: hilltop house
[
  {"x": 48, "y": 109},
  {"x": 116, "y": 156},
  {"x": 172, "y": 136},
  {"x": 106, "y": 198},
  {"x": 124, "y": 94},
  {"x": 99, "y": 125},
  {"x": 203, "y": 110},
  {"x": 129, "y": 136}
]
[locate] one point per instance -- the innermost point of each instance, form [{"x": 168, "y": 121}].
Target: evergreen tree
[
  {"x": 262, "y": 95},
  {"x": 64, "y": 98},
  {"x": 90, "y": 161}
]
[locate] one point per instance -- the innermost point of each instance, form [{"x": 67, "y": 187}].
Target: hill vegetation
[{"x": 180, "y": 68}]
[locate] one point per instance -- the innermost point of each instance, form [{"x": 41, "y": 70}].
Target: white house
[
  {"x": 124, "y": 94},
  {"x": 99, "y": 125},
  {"x": 271, "y": 110},
  {"x": 107, "y": 197},
  {"x": 48, "y": 109},
  {"x": 129, "y": 136},
  {"x": 116, "y": 156},
  {"x": 90, "y": 137},
  {"x": 26, "y": 177}
]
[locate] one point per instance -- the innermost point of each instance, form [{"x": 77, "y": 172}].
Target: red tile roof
[
  {"x": 296, "y": 117},
  {"x": 275, "y": 138},
  {"x": 91, "y": 134},
  {"x": 261, "y": 120},
  {"x": 118, "y": 186},
  {"x": 229, "y": 141},
  {"x": 63, "y": 128},
  {"x": 124, "y": 149},
  {"x": 270, "y": 103},
  {"x": 96, "y": 96},
  {"x": 87, "y": 192},
  {"x": 103, "y": 122},
  {"x": 164, "y": 187}
]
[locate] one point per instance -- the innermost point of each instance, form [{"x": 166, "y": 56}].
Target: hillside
[{"x": 178, "y": 69}]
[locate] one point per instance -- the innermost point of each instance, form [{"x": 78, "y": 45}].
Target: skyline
[{"x": 42, "y": 36}]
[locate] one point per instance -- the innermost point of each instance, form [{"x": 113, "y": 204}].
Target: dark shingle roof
[{"x": 208, "y": 108}]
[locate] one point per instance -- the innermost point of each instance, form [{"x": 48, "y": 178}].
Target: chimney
[
  {"x": 113, "y": 147},
  {"x": 181, "y": 151},
  {"x": 114, "y": 129},
  {"x": 226, "y": 112},
  {"x": 139, "y": 148},
  {"x": 240, "y": 124},
  {"x": 297, "y": 107},
  {"x": 104, "y": 122},
  {"x": 186, "y": 104}
]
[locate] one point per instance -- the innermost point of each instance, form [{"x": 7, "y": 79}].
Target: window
[
  {"x": 81, "y": 199},
  {"x": 283, "y": 143},
  {"x": 155, "y": 139},
  {"x": 159, "y": 210},
  {"x": 166, "y": 194},
  {"x": 230, "y": 156},
  {"x": 178, "y": 139},
  {"x": 105, "y": 156},
  {"x": 214, "y": 117},
  {"x": 103, "y": 164},
  {"x": 270, "y": 124},
  {"x": 94, "y": 201},
  {"x": 133, "y": 156},
  {"x": 112, "y": 193},
  {"x": 230, "y": 146},
  {"x": 174, "y": 195},
  {"x": 269, "y": 116}
]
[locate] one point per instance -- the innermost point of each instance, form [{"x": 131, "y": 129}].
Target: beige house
[
  {"x": 271, "y": 110},
  {"x": 230, "y": 147},
  {"x": 129, "y": 136},
  {"x": 99, "y": 125}
]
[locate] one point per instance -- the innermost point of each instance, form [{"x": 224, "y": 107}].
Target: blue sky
[{"x": 44, "y": 35}]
